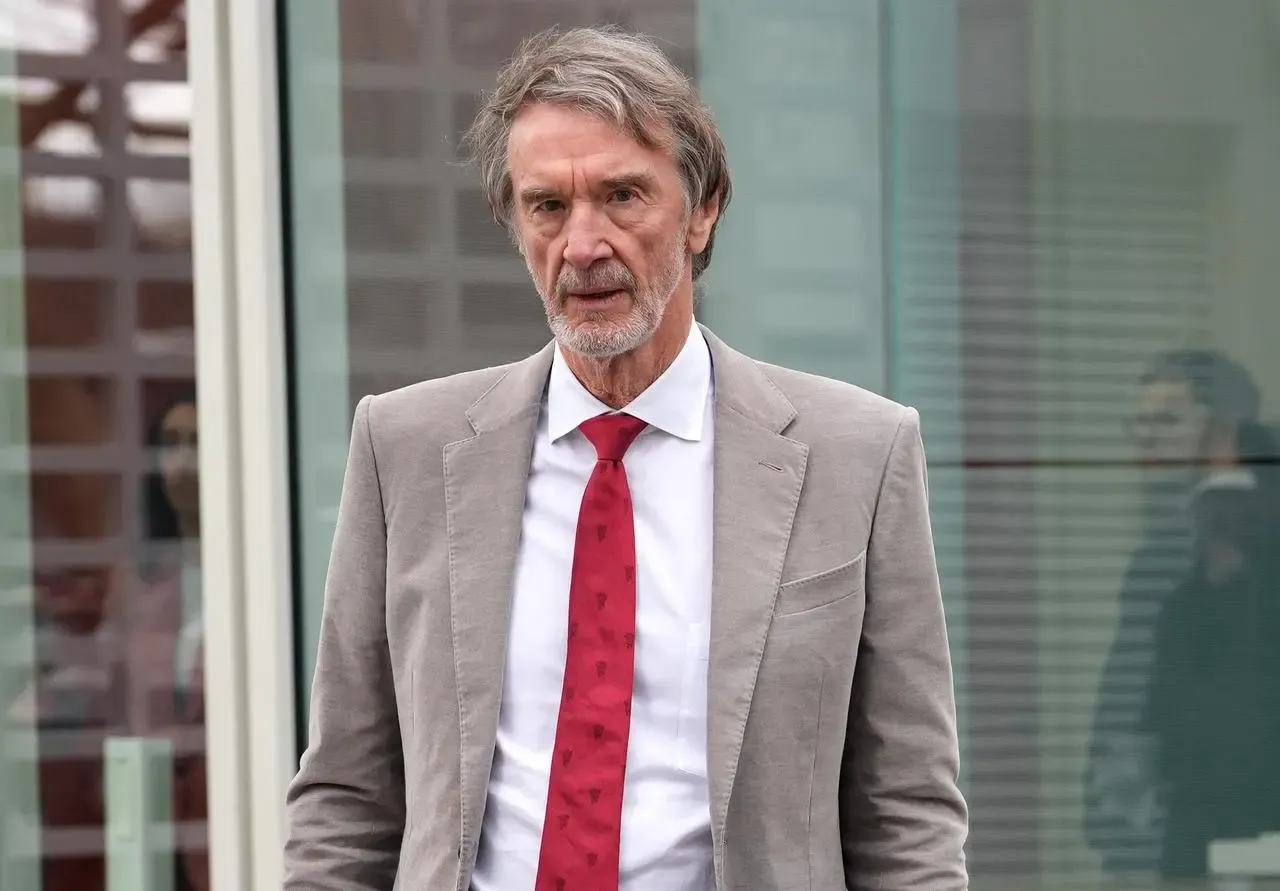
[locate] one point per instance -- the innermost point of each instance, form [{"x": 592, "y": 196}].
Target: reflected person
[
  {"x": 637, "y": 561},
  {"x": 173, "y": 533},
  {"x": 1213, "y": 707},
  {"x": 1185, "y": 398},
  {"x": 166, "y": 616}
]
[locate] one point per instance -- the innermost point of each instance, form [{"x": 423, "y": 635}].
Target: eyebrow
[
  {"x": 642, "y": 180},
  {"x": 536, "y": 195}
]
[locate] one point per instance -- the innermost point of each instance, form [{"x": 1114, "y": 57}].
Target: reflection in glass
[
  {"x": 1083, "y": 202},
  {"x": 1212, "y": 708},
  {"x": 100, "y": 111},
  {"x": 1185, "y": 402}
]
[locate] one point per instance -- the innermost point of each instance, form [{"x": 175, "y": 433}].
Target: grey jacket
[{"x": 832, "y": 755}]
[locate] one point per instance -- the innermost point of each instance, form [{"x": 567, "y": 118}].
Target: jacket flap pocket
[{"x": 822, "y": 588}]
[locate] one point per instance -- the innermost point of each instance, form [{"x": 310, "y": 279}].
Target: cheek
[
  {"x": 178, "y": 468},
  {"x": 537, "y": 252},
  {"x": 656, "y": 252},
  {"x": 638, "y": 241},
  {"x": 173, "y": 480},
  {"x": 545, "y": 269}
]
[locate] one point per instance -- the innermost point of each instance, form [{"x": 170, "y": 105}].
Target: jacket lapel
[
  {"x": 758, "y": 477},
  {"x": 485, "y": 480}
]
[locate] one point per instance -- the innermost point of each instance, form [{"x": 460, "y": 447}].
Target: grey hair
[{"x": 618, "y": 77}]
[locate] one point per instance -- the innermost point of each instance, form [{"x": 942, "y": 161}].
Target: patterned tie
[{"x": 582, "y": 832}]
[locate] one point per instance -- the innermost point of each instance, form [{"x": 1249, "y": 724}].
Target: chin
[{"x": 600, "y": 339}]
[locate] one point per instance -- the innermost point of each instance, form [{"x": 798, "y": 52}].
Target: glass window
[
  {"x": 101, "y": 674},
  {"x": 1083, "y": 203},
  {"x": 1047, "y": 224}
]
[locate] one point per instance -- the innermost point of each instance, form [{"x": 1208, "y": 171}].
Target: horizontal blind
[
  {"x": 1123, "y": 274},
  {"x": 1046, "y": 285}
]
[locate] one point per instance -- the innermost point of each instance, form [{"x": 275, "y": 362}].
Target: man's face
[
  {"x": 1169, "y": 425},
  {"x": 601, "y": 221}
]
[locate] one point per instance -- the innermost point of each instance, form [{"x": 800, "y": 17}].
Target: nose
[{"x": 585, "y": 241}]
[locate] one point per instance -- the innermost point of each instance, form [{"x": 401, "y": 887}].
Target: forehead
[
  {"x": 181, "y": 415},
  {"x": 550, "y": 142}
]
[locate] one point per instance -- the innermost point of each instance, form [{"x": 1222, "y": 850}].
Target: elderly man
[{"x": 637, "y": 612}]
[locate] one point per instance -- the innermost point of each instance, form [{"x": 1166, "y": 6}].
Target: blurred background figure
[
  {"x": 172, "y": 557},
  {"x": 1188, "y": 400},
  {"x": 166, "y": 632},
  {"x": 1212, "y": 710},
  {"x": 96, "y": 409}
]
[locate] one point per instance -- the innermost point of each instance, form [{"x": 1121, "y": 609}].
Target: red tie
[{"x": 583, "y": 828}]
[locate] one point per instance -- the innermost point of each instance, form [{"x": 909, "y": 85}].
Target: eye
[
  {"x": 550, "y": 205},
  {"x": 622, "y": 196}
]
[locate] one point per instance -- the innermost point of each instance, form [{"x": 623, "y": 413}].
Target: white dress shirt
[{"x": 666, "y": 830}]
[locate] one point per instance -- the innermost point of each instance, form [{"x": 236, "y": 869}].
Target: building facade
[{"x": 1049, "y": 225}]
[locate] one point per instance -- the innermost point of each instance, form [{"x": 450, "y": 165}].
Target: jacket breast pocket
[{"x": 821, "y": 589}]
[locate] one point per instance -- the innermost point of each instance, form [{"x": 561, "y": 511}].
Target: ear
[{"x": 701, "y": 222}]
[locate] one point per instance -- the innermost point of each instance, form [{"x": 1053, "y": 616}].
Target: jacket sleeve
[
  {"x": 903, "y": 819},
  {"x": 345, "y": 808}
]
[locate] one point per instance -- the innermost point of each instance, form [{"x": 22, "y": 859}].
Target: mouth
[{"x": 598, "y": 298}]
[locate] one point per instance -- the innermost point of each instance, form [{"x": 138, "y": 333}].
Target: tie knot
[{"x": 612, "y": 435}]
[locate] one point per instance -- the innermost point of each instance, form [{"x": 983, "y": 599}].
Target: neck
[{"x": 618, "y": 380}]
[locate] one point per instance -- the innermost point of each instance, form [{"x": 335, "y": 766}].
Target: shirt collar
[{"x": 675, "y": 403}]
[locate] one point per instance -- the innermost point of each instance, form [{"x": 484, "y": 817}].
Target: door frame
[{"x": 243, "y": 414}]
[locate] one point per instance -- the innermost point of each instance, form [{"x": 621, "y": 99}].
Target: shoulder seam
[
  {"x": 373, "y": 455},
  {"x": 903, "y": 413}
]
